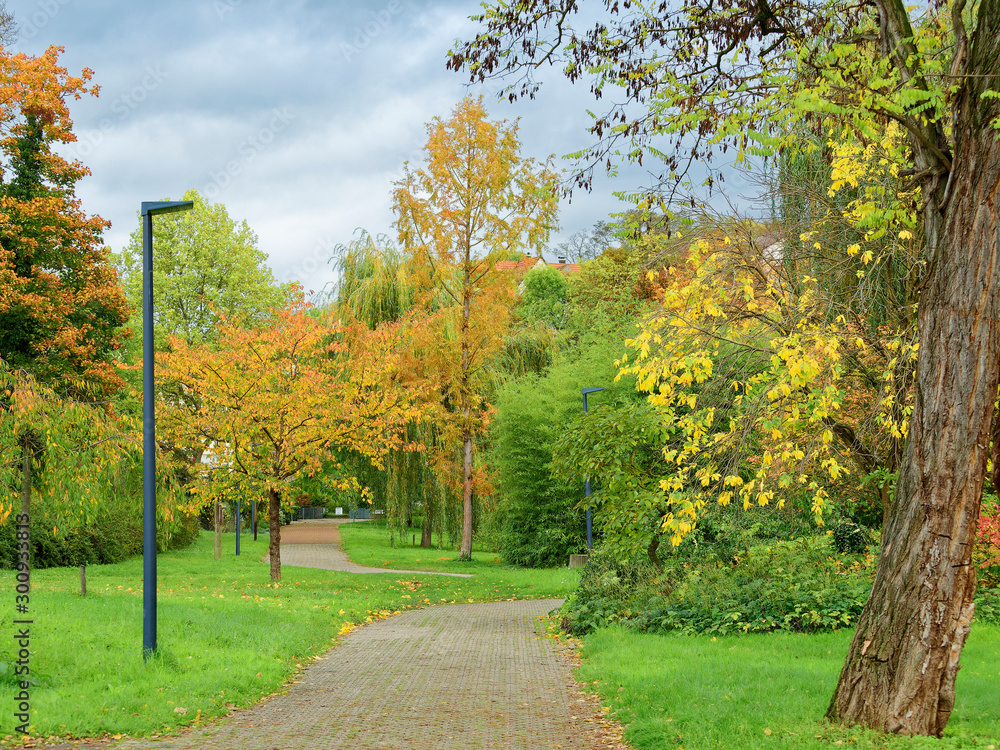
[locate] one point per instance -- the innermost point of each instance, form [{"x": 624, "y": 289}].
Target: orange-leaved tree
[
  {"x": 475, "y": 201},
  {"x": 62, "y": 309},
  {"x": 278, "y": 398}
]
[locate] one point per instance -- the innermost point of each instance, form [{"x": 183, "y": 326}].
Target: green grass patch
[
  {"x": 227, "y": 636},
  {"x": 368, "y": 544},
  {"x": 763, "y": 691}
]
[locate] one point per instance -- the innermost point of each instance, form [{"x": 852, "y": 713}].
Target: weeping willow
[
  {"x": 376, "y": 286},
  {"x": 374, "y": 283}
]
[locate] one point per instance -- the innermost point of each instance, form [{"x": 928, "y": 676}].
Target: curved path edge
[{"x": 316, "y": 544}]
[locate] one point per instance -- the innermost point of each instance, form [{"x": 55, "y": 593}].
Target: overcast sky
[{"x": 297, "y": 115}]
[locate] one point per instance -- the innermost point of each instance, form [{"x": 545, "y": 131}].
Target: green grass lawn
[
  {"x": 764, "y": 691},
  {"x": 227, "y": 635}
]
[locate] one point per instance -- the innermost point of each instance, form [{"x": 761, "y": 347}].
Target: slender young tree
[{"x": 475, "y": 201}]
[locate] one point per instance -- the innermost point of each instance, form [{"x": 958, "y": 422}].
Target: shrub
[
  {"x": 986, "y": 555},
  {"x": 112, "y": 535},
  {"x": 800, "y": 585},
  {"x": 850, "y": 538},
  {"x": 988, "y": 606}
]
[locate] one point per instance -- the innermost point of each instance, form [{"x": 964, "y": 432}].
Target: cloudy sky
[{"x": 296, "y": 114}]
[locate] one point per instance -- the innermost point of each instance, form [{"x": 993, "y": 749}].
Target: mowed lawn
[
  {"x": 227, "y": 635},
  {"x": 764, "y": 691}
]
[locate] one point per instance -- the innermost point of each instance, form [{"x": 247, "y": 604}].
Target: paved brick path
[
  {"x": 316, "y": 544},
  {"x": 450, "y": 677}
]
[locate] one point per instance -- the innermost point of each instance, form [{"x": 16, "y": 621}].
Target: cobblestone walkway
[
  {"x": 450, "y": 677},
  {"x": 316, "y": 544}
]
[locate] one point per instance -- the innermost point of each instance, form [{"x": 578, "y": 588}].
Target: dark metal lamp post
[
  {"x": 590, "y": 519},
  {"x": 150, "y": 209}
]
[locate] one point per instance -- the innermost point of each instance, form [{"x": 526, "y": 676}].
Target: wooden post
[{"x": 83, "y": 580}]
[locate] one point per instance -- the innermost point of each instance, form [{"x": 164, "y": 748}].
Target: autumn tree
[
  {"x": 62, "y": 308},
  {"x": 740, "y": 75},
  {"x": 278, "y": 398},
  {"x": 476, "y": 200},
  {"x": 377, "y": 287}
]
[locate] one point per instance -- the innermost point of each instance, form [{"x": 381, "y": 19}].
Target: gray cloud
[{"x": 296, "y": 115}]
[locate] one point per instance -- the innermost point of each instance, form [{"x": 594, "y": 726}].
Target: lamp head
[{"x": 155, "y": 208}]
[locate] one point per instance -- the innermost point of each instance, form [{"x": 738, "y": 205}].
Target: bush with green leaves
[
  {"x": 112, "y": 535},
  {"x": 543, "y": 298},
  {"x": 801, "y": 585}
]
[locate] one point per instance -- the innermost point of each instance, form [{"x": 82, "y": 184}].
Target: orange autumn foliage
[
  {"x": 278, "y": 399},
  {"x": 61, "y": 305}
]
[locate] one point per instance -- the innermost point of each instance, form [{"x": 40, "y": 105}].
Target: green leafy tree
[
  {"x": 543, "y": 298},
  {"x": 206, "y": 265}
]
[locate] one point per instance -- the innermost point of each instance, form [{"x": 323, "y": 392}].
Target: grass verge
[
  {"x": 763, "y": 691},
  {"x": 227, "y": 636}
]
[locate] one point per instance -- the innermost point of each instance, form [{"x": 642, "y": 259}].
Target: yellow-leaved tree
[{"x": 474, "y": 202}]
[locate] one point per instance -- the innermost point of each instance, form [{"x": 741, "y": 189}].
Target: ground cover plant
[
  {"x": 742, "y": 692},
  {"x": 227, "y": 635},
  {"x": 798, "y": 585}
]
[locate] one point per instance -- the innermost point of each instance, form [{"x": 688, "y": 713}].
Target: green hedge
[{"x": 115, "y": 533}]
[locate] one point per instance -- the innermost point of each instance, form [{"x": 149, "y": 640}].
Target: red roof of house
[
  {"x": 565, "y": 267},
  {"x": 518, "y": 266},
  {"x": 525, "y": 265}
]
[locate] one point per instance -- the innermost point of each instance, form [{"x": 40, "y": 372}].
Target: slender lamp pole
[
  {"x": 590, "y": 519},
  {"x": 149, "y": 209}
]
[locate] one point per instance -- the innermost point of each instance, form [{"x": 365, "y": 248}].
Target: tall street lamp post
[
  {"x": 150, "y": 209},
  {"x": 590, "y": 519}
]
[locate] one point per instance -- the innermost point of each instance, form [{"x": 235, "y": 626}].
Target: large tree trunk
[
  {"x": 274, "y": 546},
  {"x": 900, "y": 672}
]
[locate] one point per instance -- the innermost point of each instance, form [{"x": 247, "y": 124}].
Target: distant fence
[{"x": 308, "y": 513}]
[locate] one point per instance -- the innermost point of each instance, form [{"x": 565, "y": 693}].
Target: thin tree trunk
[
  {"x": 24, "y": 520},
  {"x": 651, "y": 553},
  {"x": 466, "y": 552},
  {"x": 274, "y": 546},
  {"x": 900, "y": 672}
]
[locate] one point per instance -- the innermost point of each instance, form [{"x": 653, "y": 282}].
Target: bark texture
[
  {"x": 274, "y": 521},
  {"x": 900, "y": 672},
  {"x": 466, "y": 553}
]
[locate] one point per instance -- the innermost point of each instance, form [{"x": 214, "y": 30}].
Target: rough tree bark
[
  {"x": 274, "y": 523},
  {"x": 899, "y": 675}
]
